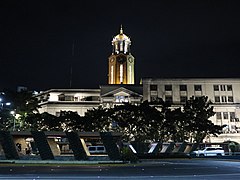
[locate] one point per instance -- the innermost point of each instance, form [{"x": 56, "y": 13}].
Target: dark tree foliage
[
  {"x": 98, "y": 119},
  {"x": 197, "y": 112},
  {"x": 44, "y": 121},
  {"x": 71, "y": 121},
  {"x": 158, "y": 122}
]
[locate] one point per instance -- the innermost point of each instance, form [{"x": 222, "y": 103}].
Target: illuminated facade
[
  {"x": 121, "y": 62},
  {"x": 222, "y": 92}
]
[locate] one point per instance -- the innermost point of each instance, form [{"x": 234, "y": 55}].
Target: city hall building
[{"x": 224, "y": 93}]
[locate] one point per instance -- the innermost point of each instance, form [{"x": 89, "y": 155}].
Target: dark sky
[{"x": 169, "y": 39}]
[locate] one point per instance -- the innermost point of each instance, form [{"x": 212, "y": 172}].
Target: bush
[{"x": 128, "y": 155}]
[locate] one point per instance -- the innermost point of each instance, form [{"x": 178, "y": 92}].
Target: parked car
[{"x": 209, "y": 151}]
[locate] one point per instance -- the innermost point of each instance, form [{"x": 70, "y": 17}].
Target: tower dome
[{"x": 121, "y": 43}]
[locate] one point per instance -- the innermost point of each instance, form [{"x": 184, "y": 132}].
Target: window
[
  {"x": 232, "y": 116},
  {"x": 225, "y": 115},
  {"x": 121, "y": 99},
  {"x": 229, "y": 87},
  {"x": 215, "y": 87},
  {"x": 168, "y": 99},
  {"x": 197, "y": 87},
  {"x": 153, "y": 87},
  {"x": 219, "y": 115},
  {"x": 224, "y": 99},
  {"x": 168, "y": 87},
  {"x": 230, "y": 99},
  {"x": 183, "y": 99},
  {"x": 222, "y": 87},
  {"x": 217, "y": 98},
  {"x": 183, "y": 87}
]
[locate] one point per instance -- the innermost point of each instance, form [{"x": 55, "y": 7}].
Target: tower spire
[{"x": 121, "y": 30}]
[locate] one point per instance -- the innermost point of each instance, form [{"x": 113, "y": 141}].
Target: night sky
[{"x": 169, "y": 39}]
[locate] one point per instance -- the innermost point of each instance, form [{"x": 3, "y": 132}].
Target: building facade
[
  {"x": 222, "y": 92},
  {"x": 78, "y": 100}
]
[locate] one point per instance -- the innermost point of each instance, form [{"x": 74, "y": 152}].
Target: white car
[{"x": 210, "y": 151}]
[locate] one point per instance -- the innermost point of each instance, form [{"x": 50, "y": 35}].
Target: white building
[
  {"x": 78, "y": 100},
  {"x": 224, "y": 93}
]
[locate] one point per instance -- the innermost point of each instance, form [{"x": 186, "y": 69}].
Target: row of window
[
  {"x": 154, "y": 87},
  {"x": 223, "y": 99},
  {"x": 183, "y": 99},
  {"x": 227, "y": 115},
  {"x": 63, "y": 97}
]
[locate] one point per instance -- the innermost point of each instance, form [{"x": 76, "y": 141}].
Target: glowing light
[
  {"x": 121, "y": 73},
  {"x": 111, "y": 74}
]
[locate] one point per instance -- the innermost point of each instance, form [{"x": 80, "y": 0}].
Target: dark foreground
[{"x": 162, "y": 169}]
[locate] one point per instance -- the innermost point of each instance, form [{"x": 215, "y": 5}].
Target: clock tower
[{"x": 121, "y": 62}]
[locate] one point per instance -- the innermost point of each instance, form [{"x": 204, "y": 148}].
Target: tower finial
[{"x": 121, "y": 30}]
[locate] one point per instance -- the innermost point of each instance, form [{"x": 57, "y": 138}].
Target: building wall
[
  {"x": 226, "y": 99},
  {"x": 77, "y": 100}
]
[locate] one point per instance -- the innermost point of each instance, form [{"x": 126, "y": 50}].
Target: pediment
[{"x": 120, "y": 91}]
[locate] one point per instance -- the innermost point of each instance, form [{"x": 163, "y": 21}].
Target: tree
[
  {"x": 23, "y": 104},
  {"x": 98, "y": 119},
  {"x": 197, "y": 112}
]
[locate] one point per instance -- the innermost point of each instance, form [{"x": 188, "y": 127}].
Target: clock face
[
  {"x": 121, "y": 59},
  {"x": 130, "y": 60},
  {"x": 112, "y": 59}
]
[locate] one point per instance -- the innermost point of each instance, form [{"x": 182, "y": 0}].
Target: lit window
[{"x": 121, "y": 99}]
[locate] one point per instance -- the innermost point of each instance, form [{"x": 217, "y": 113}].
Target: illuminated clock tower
[{"x": 121, "y": 62}]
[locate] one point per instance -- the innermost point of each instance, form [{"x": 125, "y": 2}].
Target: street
[{"x": 161, "y": 169}]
